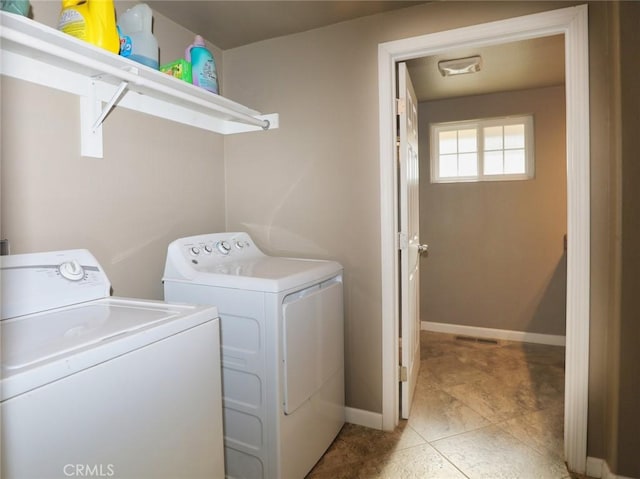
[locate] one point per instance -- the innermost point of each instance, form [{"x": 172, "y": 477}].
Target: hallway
[{"x": 481, "y": 410}]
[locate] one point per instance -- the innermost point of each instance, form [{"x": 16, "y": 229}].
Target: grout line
[
  {"x": 458, "y": 434},
  {"x": 449, "y": 461},
  {"x": 540, "y": 450},
  {"x": 498, "y": 424},
  {"x": 470, "y": 406},
  {"x": 414, "y": 430},
  {"x": 491, "y": 423}
]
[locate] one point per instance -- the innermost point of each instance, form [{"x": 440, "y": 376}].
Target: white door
[{"x": 409, "y": 240}]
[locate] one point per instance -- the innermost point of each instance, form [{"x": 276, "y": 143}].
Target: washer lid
[
  {"x": 267, "y": 274},
  {"x": 42, "y": 347}
]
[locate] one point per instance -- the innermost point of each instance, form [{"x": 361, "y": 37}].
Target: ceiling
[
  {"x": 521, "y": 65},
  {"x": 518, "y": 65},
  {"x": 230, "y": 24}
]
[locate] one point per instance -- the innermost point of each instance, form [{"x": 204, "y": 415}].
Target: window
[{"x": 482, "y": 150}]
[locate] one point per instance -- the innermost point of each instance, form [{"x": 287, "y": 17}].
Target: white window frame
[{"x": 478, "y": 125}]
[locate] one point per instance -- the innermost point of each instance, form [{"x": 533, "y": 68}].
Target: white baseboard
[
  {"x": 364, "y": 418},
  {"x": 599, "y": 469},
  {"x": 505, "y": 334},
  {"x": 595, "y": 467}
]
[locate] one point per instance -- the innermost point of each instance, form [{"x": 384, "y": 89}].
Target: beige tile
[
  {"x": 437, "y": 344},
  {"x": 462, "y": 387},
  {"x": 433, "y": 345},
  {"x": 540, "y": 353},
  {"x": 417, "y": 462},
  {"x": 492, "y": 453},
  {"x": 507, "y": 370},
  {"x": 513, "y": 388},
  {"x": 541, "y": 430},
  {"x": 436, "y": 414},
  {"x": 542, "y": 383},
  {"x": 355, "y": 444},
  {"x": 500, "y": 358},
  {"x": 450, "y": 370},
  {"x": 496, "y": 400},
  {"x": 547, "y": 387}
]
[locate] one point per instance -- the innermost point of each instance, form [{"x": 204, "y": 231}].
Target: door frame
[{"x": 572, "y": 22}]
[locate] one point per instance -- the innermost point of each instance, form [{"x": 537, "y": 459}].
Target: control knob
[
  {"x": 71, "y": 270},
  {"x": 195, "y": 251},
  {"x": 223, "y": 247}
]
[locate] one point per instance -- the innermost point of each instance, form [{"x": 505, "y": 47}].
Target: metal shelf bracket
[{"x": 109, "y": 106}]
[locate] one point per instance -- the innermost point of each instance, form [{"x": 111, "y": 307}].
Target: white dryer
[
  {"x": 99, "y": 386},
  {"x": 282, "y": 349}
]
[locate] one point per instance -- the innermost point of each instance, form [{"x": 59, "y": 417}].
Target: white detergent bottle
[
  {"x": 137, "y": 42},
  {"x": 203, "y": 66}
]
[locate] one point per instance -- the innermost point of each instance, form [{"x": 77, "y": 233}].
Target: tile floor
[{"x": 480, "y": 411}]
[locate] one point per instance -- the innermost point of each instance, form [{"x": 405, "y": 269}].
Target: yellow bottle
[{"x": 93, "y": 21}]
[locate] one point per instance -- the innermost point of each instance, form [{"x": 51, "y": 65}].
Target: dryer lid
[
  {"x": 268, "y": 274},
  {"x": 233, "y": 260}
]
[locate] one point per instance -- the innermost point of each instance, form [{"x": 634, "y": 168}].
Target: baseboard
[
  {"x": 505, "y": 334},
  {"x": 599, "y": 469},
  {"x": 595, "y": 467},
  {"x": 363, "y": 418}
]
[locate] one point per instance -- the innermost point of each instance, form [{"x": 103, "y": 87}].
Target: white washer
[
  {"x": 282, "y": 349},
  {"x": 98, "y": 386}
]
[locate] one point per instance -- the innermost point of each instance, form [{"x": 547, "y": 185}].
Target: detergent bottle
[
  {"x": 203, "y": 66},
  {"x": 137, "y": 41},
  {"x": 21, "y": 7},
  {"x": 93, "y": 21}
]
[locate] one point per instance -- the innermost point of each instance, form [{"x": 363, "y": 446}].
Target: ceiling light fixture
[{"x": 460, "y": 66}]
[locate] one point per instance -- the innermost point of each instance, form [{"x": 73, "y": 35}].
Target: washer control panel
[
  {"x": 37, "y": 282},
  {"x": 215, "y": 248}
]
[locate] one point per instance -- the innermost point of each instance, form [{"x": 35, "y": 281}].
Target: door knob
[{"x": 423, "y": 249}]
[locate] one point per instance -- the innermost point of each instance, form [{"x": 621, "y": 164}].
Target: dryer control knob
[
  {"x": 71, "y": 270},
  {"x": 239, "y": 244},
  {"x": 195, "y": 251},
  {"x": 208, "y": 249},
  {"x": 223, "y": 247}
]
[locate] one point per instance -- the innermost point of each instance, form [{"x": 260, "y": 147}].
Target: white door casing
[
  {"x": 408, "y": 239},
  {"x": 572, "y": 22}
]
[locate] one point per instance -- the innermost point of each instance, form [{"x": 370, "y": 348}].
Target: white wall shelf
[{"x": 36, "y": 53}]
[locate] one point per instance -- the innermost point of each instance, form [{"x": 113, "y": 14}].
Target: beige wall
[
  {"x": 158, "y": 180},
  {"x": 628, "y": 463},
  {"x": 611, "y": 362},
  {"x": 497, "y": 256},
  {"x": 621, "y": 393},
  {"x": 312, "y": 187},
  {"x": 602, "y": 220}
]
